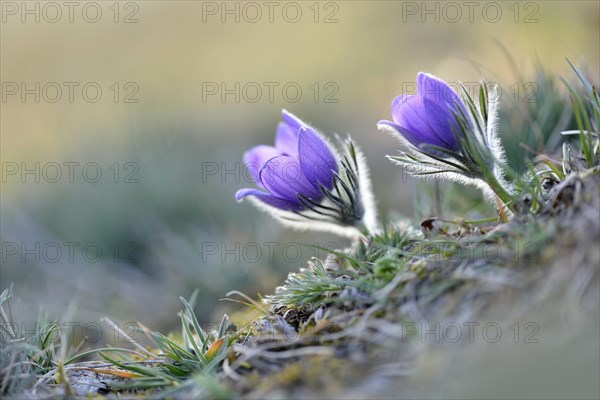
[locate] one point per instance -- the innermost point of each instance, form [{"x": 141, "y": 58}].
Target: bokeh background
[{"x": 163, "y": 212}]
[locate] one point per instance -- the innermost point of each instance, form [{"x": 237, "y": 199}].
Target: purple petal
[
  {"x": 408, "y": 110},
  {"x": 317, "y": 161},
  {"x": 432, "y": 88},
  {"x": 428, "y": 114},
  {"x": 283, "y": 177},
  {"x": 286, "y": 140},
  {"x": 256, "y": 157},
  {"x": 442, "y": 121},
  {"x": 397, "y": 107},
  {"x": 415, "y": 138},
  {"x": 439, "y": 100},
  {"x": 409, "y": 113},
  {"x": 269, "y": 199},
  {"x": 292, "y": 121}
]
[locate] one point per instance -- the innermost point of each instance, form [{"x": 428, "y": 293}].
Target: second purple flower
[
  {"x": 307, "y": 183},
  {"x": 291, "y": 173}
]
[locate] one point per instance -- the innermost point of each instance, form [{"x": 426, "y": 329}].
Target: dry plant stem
[{"x": 501, "y": 207}]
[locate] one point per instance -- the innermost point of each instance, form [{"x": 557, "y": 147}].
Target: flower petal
[
  {"x": 269, "y": 199},
  {"x": 439, "y": 102},
  {"x": 292, "y": 121},
  {"x": 442, "y": 122},
  {"x": 286, "y": 140},
  {"x": 415, "y": 138},
  {"x": 397, "y": 108},
  {"x": 409, "y": 113},
  {"x": 256, "y": 157},
  {"x": 317, "y": 161},
  {"x": 283, "y": 177},
  {"x": 432, "y": 88}
]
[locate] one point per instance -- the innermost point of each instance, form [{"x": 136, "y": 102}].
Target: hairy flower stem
[
  {"x": 503, "y": 197},
  {"x": 501, "y": 206}
]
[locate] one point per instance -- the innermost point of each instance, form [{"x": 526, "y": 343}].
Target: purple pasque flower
[
  {"x": 427, "y": 118},
  {"x": 291, "y": 174}
]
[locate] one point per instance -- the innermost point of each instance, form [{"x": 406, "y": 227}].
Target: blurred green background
[{"x": 171, "y": 153}]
